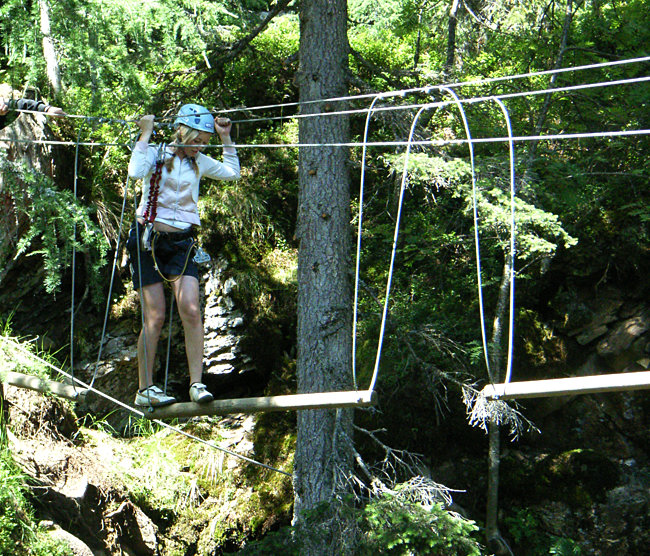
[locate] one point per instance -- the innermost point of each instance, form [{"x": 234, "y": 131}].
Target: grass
[{"x": 19, "y": 533}]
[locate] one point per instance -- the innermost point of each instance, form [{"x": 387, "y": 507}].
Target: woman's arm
[
  {"x": 228, "y": 169},
  {"x": 142, "y": 158}
]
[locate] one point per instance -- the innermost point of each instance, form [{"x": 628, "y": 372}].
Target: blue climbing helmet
[{"x": 196, "y": 117}]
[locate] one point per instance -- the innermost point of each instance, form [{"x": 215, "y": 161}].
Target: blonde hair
[{"x": 183, "y": 136}]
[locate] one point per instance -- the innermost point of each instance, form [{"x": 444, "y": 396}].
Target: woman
[{"x": 161, "y": 246}]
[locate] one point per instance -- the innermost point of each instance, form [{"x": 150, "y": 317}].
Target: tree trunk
[
  {"x": 451, "y": 37},
  {"x": 494, "y": 434},
  {"x": 49, "y": 51},
  {"x": 324, "y": 290},
  {"x": 541, "y": 118},
  {"x": 495, "y": 542}
]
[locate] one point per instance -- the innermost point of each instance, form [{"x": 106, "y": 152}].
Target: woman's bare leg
[
  {"x": 186, "y": 290},
  {"x": 153, "y": 308}
]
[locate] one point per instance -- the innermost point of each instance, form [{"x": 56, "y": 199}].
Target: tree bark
[
  {"x": 324, "y": 289},
  {"x": 494, "y": 434},
  {"x": 49, "y": 51},
  {"x": 451, "y": 37}
]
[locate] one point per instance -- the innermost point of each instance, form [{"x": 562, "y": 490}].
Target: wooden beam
[
  {"x": 316, "y": 400},
  {"x": 617, "y": 382},
  {"x": 42, "y": 385}
]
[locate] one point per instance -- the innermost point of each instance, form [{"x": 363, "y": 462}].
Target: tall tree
[
  {"x": 451, "y": 37},
  {"x": 49, "y": 51},
  {"x": 324, "y": 290},
  {"x": 497, "y": 362}
]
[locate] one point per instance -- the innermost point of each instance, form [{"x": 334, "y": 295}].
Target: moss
[
  {"x": 542, "y": 346},
  {"x": 227, "y": 506},
  {"x": 272, "y": 501}
]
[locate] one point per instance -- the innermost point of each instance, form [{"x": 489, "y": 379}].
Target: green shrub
[
  {"x": 385, "y": 525},
  {"x": 392, "y": 526},
  {"x": 525, "y": 529}
]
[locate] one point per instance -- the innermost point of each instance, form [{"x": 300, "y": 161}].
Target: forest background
[{"x": 582, "y": 204}]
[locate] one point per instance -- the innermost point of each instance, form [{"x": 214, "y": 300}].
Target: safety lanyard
[{"x": 154, "y": 188}]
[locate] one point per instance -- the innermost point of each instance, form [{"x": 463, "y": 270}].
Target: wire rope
[
  {"x": 355, "y": 144},
  {"x": 410, "y": 143},
  {"x": 389, "y": 279},
  {"x": 423, "y": 89},
  {"x": 74, "y": 251},
  {"x": 477, "y": 250},
  {"x": 113, "y": 272},
  {"x": 359, "y": 234}
]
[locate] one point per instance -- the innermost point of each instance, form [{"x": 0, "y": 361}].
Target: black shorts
[{"x": 171, "y": 253}]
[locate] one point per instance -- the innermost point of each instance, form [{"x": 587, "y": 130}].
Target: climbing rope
[{"x": 74, "y": 254}]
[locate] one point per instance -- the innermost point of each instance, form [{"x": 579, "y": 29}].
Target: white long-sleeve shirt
[{"x": 179, "y": 188}]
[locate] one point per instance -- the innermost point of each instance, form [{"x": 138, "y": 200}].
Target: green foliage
[
  {"x": 51, "y": 223},
  {"x": 388, "y": 34},
  {"x": 12, "y": 519},
  {"x": 265, "y": 75},
  {"x": 112, "y": 52},
  {"x": 393, "y": 527},
  {"x": 384, "y": 525},
  {"x": 538, "y": 233},
  {"x": 587, "y": 198},
  {"x": 525, "y": 528}
]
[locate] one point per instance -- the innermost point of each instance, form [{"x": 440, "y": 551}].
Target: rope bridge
[{"x": 365, "y": 398}]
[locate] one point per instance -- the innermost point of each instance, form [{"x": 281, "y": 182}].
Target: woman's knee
[
  {"x": 190, "y": 313},
  {"x": 154, "y": 318}
]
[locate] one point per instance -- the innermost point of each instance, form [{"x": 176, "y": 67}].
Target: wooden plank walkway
[
  {"x": 319, "y": 400},
  {"x": 570, "y": 386}
]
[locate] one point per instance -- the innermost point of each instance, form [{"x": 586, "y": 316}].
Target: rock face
[
  {"x": 584, "y": 479},
  {"x": 84, "y": 500},
  {"x": 618, "y": 330},
  {"x": 224, "y": 325},
  {"x": 47, "y": 159}
]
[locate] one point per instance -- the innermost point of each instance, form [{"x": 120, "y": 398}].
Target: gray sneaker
[
  {"x": 199, "y": 393},
  {"x": 153, "y": 397}
]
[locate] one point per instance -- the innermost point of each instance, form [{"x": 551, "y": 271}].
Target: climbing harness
[{"x": 159, "y": 237}]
